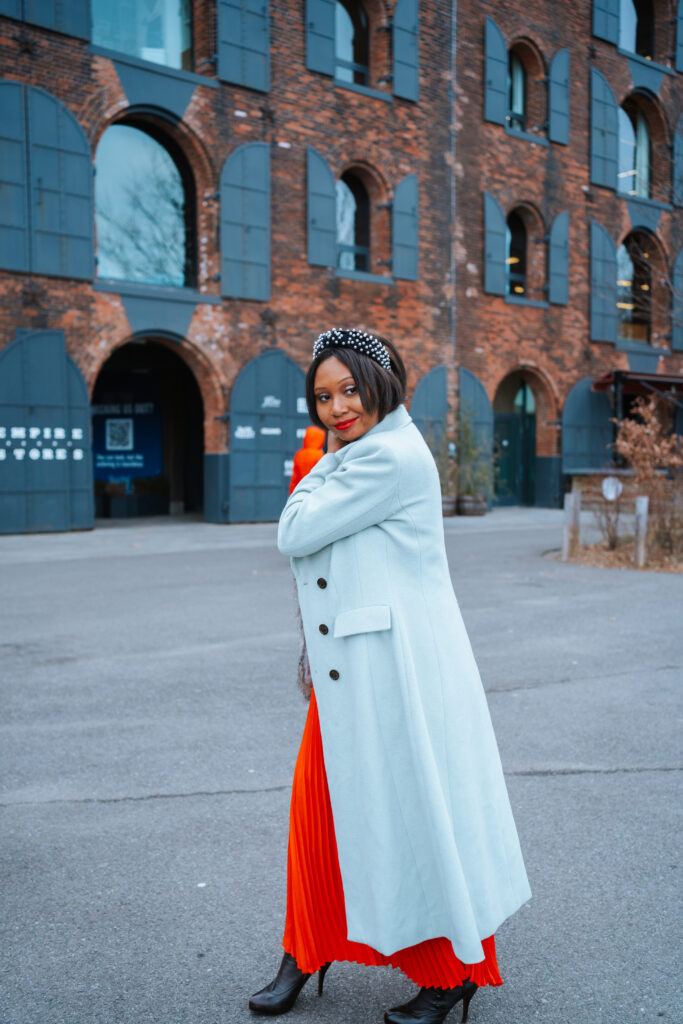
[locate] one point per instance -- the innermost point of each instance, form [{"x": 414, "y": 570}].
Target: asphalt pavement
[{"x": 150, "y": 721}]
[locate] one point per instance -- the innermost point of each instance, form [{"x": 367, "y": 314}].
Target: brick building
[
  {"x": 569, "y": 231},
  {"x": 190, "y": 191}
]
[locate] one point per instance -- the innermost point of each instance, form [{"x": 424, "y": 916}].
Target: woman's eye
[
  {"x": 351, "y": 390},
  {"x": 322, "y": 398}
]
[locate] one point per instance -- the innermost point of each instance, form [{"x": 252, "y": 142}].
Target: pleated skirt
[{"x": 315, "y": 927}]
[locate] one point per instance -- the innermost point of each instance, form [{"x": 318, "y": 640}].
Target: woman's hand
[{"x": 334, "y": 443}]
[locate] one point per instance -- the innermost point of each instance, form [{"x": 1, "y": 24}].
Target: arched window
[
  {"x": 637, "y": 27},
  {"x": 143, "y": 197},
  {"x": 515, "y": 259},
  {"x": 633, "y": 176},
  {"x": 156, "y": 30},
  {"x": 516, "y": 93},
  {"x": 351, "y": 42},
  {"x": 353, "y": 224},
  {"x": 634, "y": 288}
]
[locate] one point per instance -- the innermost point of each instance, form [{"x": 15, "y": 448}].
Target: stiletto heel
[
  {"x": 321, "y": 977},
  {"x": 470, "y": 989}
]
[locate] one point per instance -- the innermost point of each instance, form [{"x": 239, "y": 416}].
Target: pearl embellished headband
[{"x": 360, "y": 341}]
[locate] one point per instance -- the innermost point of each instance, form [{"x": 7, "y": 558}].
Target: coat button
[
  {"x": 334, "y": 674},
  {"x": 322, "y": 583},
  {"x": 323, "y": 629}
]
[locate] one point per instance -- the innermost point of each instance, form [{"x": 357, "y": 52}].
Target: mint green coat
[{"x": 426, "y": 839}]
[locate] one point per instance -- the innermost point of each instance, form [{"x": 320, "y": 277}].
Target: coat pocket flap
[{"x": 363, "y": 620}]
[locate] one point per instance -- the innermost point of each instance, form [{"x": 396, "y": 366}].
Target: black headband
[{"x": 360, "y": 341}]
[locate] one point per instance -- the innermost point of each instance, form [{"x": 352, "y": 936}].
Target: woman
[{"x": 402, "y": 846}]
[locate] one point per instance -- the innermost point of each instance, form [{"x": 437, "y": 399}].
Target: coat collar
[{"x": 400, "y": 417}]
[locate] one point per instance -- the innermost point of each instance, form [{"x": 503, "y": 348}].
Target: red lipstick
[{"x": 345, "y": 424}]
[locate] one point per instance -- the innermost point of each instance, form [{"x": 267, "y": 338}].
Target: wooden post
[
  {"x": 571, "y": 532},
  {"x": 641, "y": 530}
]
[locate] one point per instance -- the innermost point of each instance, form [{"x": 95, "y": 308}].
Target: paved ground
[{"x": 149, "y": 726}]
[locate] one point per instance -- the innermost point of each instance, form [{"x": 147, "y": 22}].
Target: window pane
[
  {"x": 517, "y": 83},
  {"x": 155, "y": 30},
  {"x": 626, "y": 178},
  {"x": 351, "y": 42},
  {"x": 140, "y": 209},
  {"x": 634, "y": 290},
  {"x": 515, "y": 261}
]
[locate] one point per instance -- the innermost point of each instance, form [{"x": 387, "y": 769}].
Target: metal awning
[{"x": 633, "y": 383}]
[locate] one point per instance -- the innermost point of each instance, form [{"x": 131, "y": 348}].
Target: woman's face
[{"x": 338, "y": 403}]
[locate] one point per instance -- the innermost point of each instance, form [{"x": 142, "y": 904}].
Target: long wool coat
[{"x": 426, "y": 839}]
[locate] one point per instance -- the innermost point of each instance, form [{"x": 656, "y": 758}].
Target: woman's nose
[{"x": 338, "y": 404}]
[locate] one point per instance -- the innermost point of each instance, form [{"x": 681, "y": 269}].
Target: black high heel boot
[
  {"x": 281, "y": 994},
  {"x": 432, "y": 1005}
]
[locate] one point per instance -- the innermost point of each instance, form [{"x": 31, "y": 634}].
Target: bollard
[
  {"x": 571, "y": 531},
  {"x": 641, "y": 530}
]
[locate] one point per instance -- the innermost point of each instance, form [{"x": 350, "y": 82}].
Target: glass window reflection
[
  {"x": 155, "y": 30},
  {"x": 140, "y": 210},
  {"x": 353, "y": 224}
]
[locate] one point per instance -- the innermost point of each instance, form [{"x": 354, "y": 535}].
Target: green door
[{"x": 515, "y": 448}]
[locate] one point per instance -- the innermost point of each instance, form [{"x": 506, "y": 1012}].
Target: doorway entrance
[
  {"x": 148, "y": 434},
  {"x": 514, "y": 430}
]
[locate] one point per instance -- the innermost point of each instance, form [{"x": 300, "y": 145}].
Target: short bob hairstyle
[{"x": 380, "y": 390}]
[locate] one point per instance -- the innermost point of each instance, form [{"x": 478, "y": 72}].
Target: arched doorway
[
  {"x": 514, "y": 409},
  {"x": 148, "y": 433}
]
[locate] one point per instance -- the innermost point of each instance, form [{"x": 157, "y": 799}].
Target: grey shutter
[
  {"x": 679, "y": 37},
  {"x": 72, "y": 17},
  {"x": 320, "y": 19},
  {"x": 321, "y": 211},
  {"x": 558, "y": 98},
  {"x": 604, "y": 132},
  {"x": 678, "y": 164},
  {"x": 586, "y": 429},
  {"x": 14, "y": 208},
  {"x": 475, "y": 403},
  {"x": 558, "y": 260},
  {"x": 677, "y": 305},
  {"x": 406, "y": 50},
  {"x": 603, "y": 285},
  {"x": 496, "y": 97},
  {"x": 61, "y": 179},
  {"x": 606, "y": 20},
  {"x": 244, "y": 43},
  {"x": 245, "y": 223},
  {"x": 405, "y": 221},
  {"x": 494, "y": 247},
  {"x": 429, "y": 406}
]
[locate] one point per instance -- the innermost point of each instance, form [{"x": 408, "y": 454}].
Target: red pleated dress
[{"x": 315, "y": 928}]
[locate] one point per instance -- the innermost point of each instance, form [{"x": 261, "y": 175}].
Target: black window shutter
[
  {"x": 603, "y": 285},
  {"x": 677, "y": 305},
  {"x": 245, "y": 223},
  {"x": 14, "y": 205},
  {"x": 244, "y": 43},
  {"x": 496, "y": 98},
  {"x": 679, "y": 37},
  {"x": 558, "y": 98},
  {"x": 72, "y": 17},
  {"x": 558, "y": 260},
  {"x": 678, "y": 164},
  {"x": 60, "y": 190},
  {"x": 405, "y": 219},
  {"x": 494, "y": 246},
  {"x": 321, "y": 212},
  {"x": 606, "y": 20},
  {"x": 320, "y": 18},
  {"x": 406, "y": 50},
  {"x": 604, "y": 132}
]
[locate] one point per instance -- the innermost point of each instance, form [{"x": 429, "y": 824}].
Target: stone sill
[
  {"x": 150, "y": 65},
  {"x": 154, "y": 291}
]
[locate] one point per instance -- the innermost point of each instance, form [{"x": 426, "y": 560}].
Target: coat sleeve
[{"x": 339, "y": 498}]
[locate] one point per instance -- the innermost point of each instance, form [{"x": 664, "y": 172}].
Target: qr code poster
[{"x": 119, "y": 435}]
